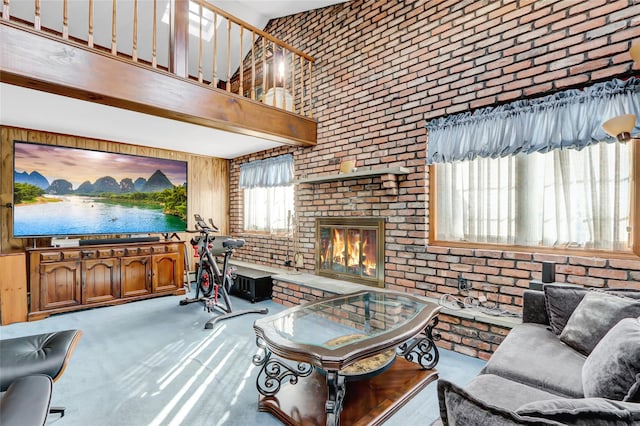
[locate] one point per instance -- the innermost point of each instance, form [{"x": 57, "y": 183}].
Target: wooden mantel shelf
[{"x": 354, "y": 175}]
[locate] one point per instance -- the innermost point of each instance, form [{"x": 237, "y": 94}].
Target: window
[
  {"x": 268, "y": 194},
  {"x": 539, "y": 172},
  {"x": 195, "y": 16},
  {"x": 268, "y": 209},
  {"x": 562, "y": 198}
]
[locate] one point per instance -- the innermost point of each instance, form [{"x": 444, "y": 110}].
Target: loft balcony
[{"x": 179, "y": 59}]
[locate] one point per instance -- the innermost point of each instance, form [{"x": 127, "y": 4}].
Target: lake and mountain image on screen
[{"x": 68, "y": 191}]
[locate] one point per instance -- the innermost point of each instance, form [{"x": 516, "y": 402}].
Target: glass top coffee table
[{"x": 353, "y": 358}]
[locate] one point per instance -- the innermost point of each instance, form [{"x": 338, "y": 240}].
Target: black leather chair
[
  {"x": 41, "y": 354},
  {"x": 26, "y": 401}
]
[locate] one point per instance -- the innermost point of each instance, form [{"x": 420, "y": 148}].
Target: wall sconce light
[
  {"x": 635, "y": 52},
  {"x": 620, "y": 127}
]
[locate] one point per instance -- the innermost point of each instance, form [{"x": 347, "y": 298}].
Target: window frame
[
  {"x": 258, "y": 232},
  {"x": 634, "y": 195}
]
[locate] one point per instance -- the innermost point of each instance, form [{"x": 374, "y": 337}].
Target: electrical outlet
[{"x": 463, "y": 284}]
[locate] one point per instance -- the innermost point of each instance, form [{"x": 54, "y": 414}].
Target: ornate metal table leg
[
  {"x": 336, "y": 389},
  {"x": 274, "y": 371},
  {"x": 422, "y": 349}
]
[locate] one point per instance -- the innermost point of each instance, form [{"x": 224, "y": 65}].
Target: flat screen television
[{"x": 62, "y": 191}]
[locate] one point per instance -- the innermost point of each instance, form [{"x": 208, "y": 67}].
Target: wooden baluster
[
  {"x": 5, "y": 10},
  {"x": 301, "y": 85},
  {"x": 253, "y": 65},
  {"x": 214, "y": 80},
  {"x": 36, "y": 20},
  {"x": 154, "y": 42},
  {"x": 65, "y": 19},
  {"x": 90, "y": 38},
  {"x": 241, "y": 88},
  {"x": 200, "y": 44},
  {"x": 310, "y": 92},
  {"x": 293, "y": 82},
  {"x": 114, "y": 30},
  {"x": 134, "y": 54},
  {"x": 228, "y": 55},
  {"x": 273, "y": 71},
  {"x": 264, "y": 68}
]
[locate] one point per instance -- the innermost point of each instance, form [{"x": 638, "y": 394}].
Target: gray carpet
[{"x": 153, "y": 363}]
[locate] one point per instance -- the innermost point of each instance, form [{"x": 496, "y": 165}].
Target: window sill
[
  {"x": 263, "y": 234},
  {"x": 559, "y": 251}
]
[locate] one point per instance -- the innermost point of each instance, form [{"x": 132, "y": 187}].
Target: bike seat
[{"x": 232, "y": 243}]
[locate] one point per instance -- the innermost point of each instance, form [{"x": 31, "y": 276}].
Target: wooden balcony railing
[{"x": 188, "y": 38}]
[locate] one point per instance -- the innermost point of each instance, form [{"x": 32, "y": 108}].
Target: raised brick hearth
[{"x": 385, "y": 67}]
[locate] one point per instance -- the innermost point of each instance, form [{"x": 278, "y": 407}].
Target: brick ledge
[{"x": 331, "y": 285}]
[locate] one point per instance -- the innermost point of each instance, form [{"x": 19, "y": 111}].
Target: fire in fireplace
[{"x": 351, "y": 249}]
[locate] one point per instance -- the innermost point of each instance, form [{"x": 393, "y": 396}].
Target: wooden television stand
[{"x": 64, "y": 279}]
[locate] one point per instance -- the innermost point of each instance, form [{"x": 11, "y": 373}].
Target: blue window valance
[
  {"x": 267, "y": 173},
  {"x": 567, "y": 119}
]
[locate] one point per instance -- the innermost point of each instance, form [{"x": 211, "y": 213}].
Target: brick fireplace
[{"x": 351, "y": 249}]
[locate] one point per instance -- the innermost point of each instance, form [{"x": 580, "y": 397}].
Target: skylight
[{"x": 194, "y": 20}]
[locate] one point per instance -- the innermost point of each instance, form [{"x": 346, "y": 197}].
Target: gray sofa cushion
[
  {"x": 583, "y": 411},
  {"x": 459, "y": 407},
  {"x": 596, "y": 314},
  {"x": 562, "y": 300},
  {"x": 534, "y": 307},
  {"x": 612, "y": 370},
  {"x": 533, "y": 355}
]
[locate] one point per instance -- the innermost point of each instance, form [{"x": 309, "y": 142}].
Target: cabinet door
[
  {"x": 136, "y": 275},
  {"x": 167, "y": 272},
  {"x": 60, "y": 285},
  {"x": 100, "y": 280}
]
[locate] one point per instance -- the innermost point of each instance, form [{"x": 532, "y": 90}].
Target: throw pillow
[
  {"x": 582, "y": 411},
  {"x": 612, "y": 370},
  {"x": 561, "y": 300},
  {"x": 596, "y": 314}
]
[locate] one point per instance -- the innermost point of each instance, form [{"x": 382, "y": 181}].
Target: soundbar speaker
[{"x": 119, "y": 240}]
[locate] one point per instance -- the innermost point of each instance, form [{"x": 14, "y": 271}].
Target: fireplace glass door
[{"x": 351, "y": 248}]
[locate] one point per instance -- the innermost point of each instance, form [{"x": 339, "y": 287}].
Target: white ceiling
[
  {"x": 32, "y": 109},
  {"x": 37, "y": 110}
]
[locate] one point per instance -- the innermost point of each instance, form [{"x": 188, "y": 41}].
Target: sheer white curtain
[
  {"x": 268, "y": 193},
  {"x": 566, "y": 198},
  {"x": 267, "y": 209}
]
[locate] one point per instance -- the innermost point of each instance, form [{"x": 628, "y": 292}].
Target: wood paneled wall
[{"x": 208, "y": 181}]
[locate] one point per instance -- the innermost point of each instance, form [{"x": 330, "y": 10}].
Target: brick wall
[{"x": 383, "y": 68}]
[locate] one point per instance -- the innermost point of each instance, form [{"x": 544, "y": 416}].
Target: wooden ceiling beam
[{"x": 42, "y": 62}]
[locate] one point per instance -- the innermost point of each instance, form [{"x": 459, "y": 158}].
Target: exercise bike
[{"x": 212, "y": 285}]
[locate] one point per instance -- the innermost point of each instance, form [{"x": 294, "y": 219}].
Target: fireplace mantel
[{"x": 354, "y": 175}]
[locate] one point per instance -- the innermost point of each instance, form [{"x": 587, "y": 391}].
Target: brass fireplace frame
[{"x": 376, "y": 223}]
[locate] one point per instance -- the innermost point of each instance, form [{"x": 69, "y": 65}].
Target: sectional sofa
[{"x": 575, "y": 360}]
